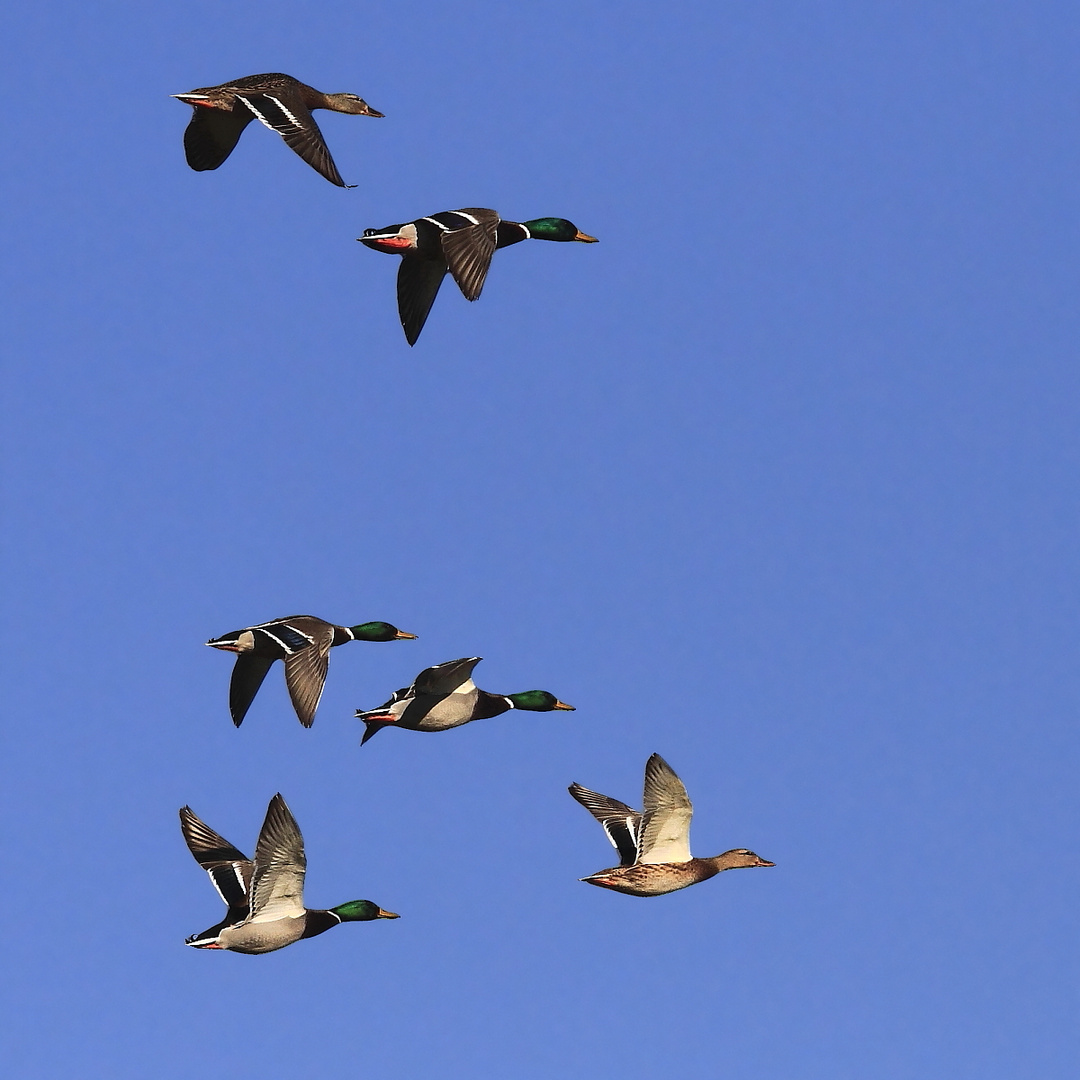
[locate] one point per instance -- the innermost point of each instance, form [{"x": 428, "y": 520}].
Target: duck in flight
[
  {"x": 461, "y": 242},
  {"x": 654, "y": 846},
  {"x": 280, "y": 102},
  {"x": 304, "y": 643},
  {"x": 445, "y": 696},
  {"x": 265, "y": 896}
]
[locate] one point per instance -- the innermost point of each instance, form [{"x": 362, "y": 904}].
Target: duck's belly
[
  {"x": 452, "y": 711},
  {"x": 262, "y": 937},
  {"x": 648, "y": 879}
]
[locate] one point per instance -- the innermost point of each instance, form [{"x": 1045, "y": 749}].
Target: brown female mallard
[
  {"x": 654, "y": 846},
  {"x": 280, "y": 102}
]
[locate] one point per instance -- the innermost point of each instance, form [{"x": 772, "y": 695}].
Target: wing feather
[
  {"x": 305, "y": 674},
  {"x": 621, "y": 822},
  {"x": 418, "y": 283},
  {"x": 247, "y": 676},
  {"x": 277, "y": 885},
  {"x": 445, "y": 678},
  {"x": 295, "y": 124},
  {"x": 229, "y": 868},
  {"x": 468, "y": 251},
  {"x": 665, "y": 825},
  {"x": 211, "y": 136}
]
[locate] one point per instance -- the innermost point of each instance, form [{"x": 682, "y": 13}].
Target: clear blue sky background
[{"x": 778, "y": 480}]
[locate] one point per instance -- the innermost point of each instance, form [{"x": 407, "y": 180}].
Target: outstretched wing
[
  {"x": 211, "y": 136},
  {"x": 295, "y": 124},
  {"x": 277, "y": 885},
  {"x": 445, "y": 678},
  {"x": 665, "y": 825},
  {"x": 305, "y": 674},
  {"x": 371, "y": 729},
  {"x": 418, "y": 283},
  {"x": 621, "y": 822},
  {"x": 229, "y": 868},
  {"x": 247, "y": 676},
  {"x": 468, "y": 250}
]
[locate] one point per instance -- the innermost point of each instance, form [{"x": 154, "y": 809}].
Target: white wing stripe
[
  {"x": 281, "y": 105},
  {"x": 258, "y": 115}
]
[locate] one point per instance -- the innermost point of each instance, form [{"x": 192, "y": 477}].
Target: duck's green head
[
  {"x": 361, "y": 911},
  {"x": 557, "y": 228},
  {"x": 379, "y": 631},
  {"x": 537, "y": 701}
]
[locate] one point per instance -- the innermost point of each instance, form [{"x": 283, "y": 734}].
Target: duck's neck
[
  {"x": 318, "y": 922},
  {"x": 729, "y": 860},
  {"x": 488, "y": 705},
  {"x": 511, "y": 232}
]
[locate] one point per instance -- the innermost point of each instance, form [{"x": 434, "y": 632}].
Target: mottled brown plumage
[
  {"x": 280, "y": 102},
  {"x": 654, "y": 846}
]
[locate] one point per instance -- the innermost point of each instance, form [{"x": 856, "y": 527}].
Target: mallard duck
[
  {"x": 280, "y": 102},
  {"x": 265, "y": 897},
  {"x": 461, "y": 241},
  {"x": 445, "y": 696},
  {"x": 304, "y": 643},
  {"x": 654, "y": 847}
]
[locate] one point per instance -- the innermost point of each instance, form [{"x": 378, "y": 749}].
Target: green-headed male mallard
[
  {"x": 304, "y": 643},
  {"x": 265, "y": 897},
  {"x": 280, "y": 102},
  {"x": 445, "y": 696},
  {"x": 654, "y": 847},
  {"x": 461, "y": 241}
]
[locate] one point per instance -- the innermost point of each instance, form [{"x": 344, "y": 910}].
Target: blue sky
[{"x": 778, "y": 480}]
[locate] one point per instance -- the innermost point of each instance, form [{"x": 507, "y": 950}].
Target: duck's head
[
  {"x": 557, "y": 228},
  {"x": 350, "y": 103},
  {"x": 361, "y": 911},
  {"x": 537, "y": 701},
  {"x": 239, "y": 641},
  {"x": 739, "y": 857},
  {"x": 379, "y": 631}
]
